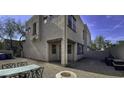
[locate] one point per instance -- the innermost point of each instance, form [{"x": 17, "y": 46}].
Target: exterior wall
[
  {"x": 55, "y": 28},
  {"x": 57, "y": 55},
  {"x": 38, "y": 49},
  {"x": 87, "y": 39},
  {"x": 87, "y": 36},
  {"x": 77, "y": 36},
  {"x": 118, "y": 51}
]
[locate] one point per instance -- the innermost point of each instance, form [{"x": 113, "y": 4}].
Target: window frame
[
  {"x": 72, "y": 22},
  {"x": 54, "y": 50}
]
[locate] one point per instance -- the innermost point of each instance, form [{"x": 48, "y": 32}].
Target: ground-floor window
[
  {"x": 53, "y": 49},
  {"x": 79, "y": 49}
]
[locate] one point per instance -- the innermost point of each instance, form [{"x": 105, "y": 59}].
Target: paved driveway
[{"x": 97, "y": 66}]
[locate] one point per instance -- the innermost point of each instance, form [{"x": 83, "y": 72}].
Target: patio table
[{"x": 18, "y": 70}]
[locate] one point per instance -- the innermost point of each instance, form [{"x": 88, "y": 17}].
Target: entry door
[{"x": 55, "y": 54}]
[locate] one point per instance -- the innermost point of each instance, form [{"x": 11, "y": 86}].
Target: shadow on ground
[{"x": 96, "y": 66}]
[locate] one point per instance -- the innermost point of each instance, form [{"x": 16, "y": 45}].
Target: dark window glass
[
  {"x": 72, "y": 22},
  {"x": 34, "y": 29},
  {"x": 69, "y": 49},
  {"x": 74, "y": 25},
  {"x": 53, "y": 49},
  {"x": 79, "y": 49}
]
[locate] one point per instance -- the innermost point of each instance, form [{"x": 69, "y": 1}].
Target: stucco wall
[
  {"x": 118, "y": 51},
  {"x": 87, "y": 36},
  {"x": 38, "y": 49},
  {"x": 78, "y": 35},
  {"x": 53, "y": 29}
]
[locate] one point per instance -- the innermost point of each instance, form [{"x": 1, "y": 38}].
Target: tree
[
  {"x": 10, "y": 29},
  {"x": 1, "y": 30},
  {"x": 21, "y": 30},
  {"x": 100, "y": 42},
  {"x": 93, "y": 46},
  {"x": 108, "y": 44}
]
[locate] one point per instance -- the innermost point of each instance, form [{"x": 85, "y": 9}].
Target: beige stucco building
[{"x": 60, "y": 38}]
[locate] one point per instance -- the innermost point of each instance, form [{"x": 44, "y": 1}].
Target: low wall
[
  {"x": 118, "y": 51},
  {"x": 6, "y": 51},
  {"x": 100, "y": 55}
]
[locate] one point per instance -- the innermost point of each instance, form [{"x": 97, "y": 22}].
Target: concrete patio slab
[
  {"x": 52, "y": 69},
  {"x": 86, "y": 68}
]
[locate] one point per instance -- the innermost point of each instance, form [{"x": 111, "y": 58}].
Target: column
[
  {"x": 64, "y": 59},
  {"x": 75, "y": 52}
]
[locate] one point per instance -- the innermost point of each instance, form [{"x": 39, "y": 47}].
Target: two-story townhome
[
  {"x": 55, "y": 38},
  {"x": 87, "y": 38}
]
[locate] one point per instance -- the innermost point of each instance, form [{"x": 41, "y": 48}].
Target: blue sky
[{"x": 111, "y": 27}]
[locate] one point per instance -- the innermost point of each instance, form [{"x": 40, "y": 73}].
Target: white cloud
[
  {"x": 91, "y": 25},
  {"x": 117, "y": 25}
]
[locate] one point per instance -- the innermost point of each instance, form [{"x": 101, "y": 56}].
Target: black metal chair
[
  {"x": 9, "y": 65},
  {"x": 37, "y": 73},
  {"x": 19, "y": 64}
]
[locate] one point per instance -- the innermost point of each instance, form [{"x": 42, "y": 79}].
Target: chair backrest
[
  {"x": 13, "y": 65},
  {"x": 9, "y": 65},
  {"x": 19, "y": 64},
  {"x": 37, "y": 73},
  {"x": 40, "y": 72}
]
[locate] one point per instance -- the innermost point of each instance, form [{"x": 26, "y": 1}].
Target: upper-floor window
[
  {"x": 34, "y": 29},
  {"x": 72, "y": 22}
]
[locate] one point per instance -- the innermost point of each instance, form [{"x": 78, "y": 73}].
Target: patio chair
[
  {"x": 19, "y": 64},
  {"x": 38, "y": 73},
  {"x": 9, "y": 65}
]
